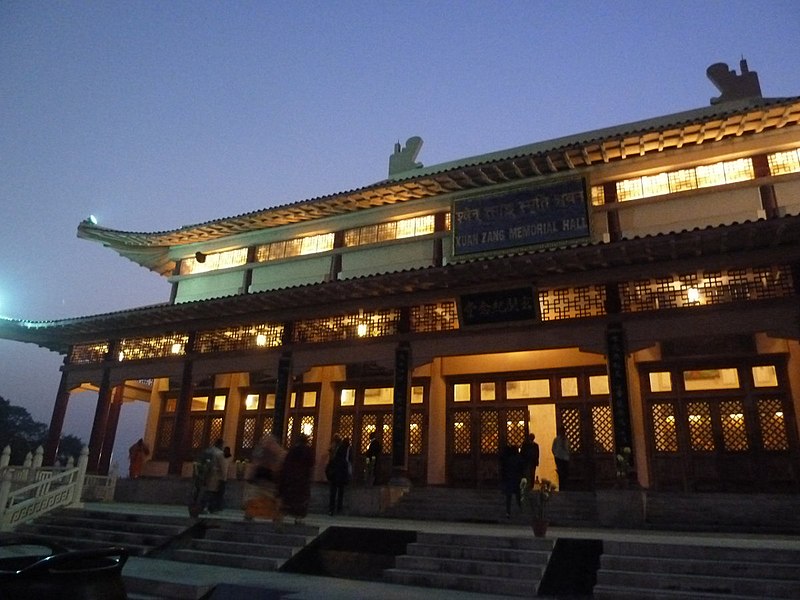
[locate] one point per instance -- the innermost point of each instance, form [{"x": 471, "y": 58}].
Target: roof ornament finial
[
  {"x": 733, "y": 86},
  {"x": 404, "y": 158}
]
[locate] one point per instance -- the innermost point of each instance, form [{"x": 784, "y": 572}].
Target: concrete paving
[{"x": 257, "y": 585}]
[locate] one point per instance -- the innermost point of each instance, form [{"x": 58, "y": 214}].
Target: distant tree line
[{"x": 19, "y": 431}]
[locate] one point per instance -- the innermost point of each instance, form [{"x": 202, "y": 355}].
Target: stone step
[
  {"x": 257, "y": 537},
  {"x": 469, "y": 567},
  {"x": 695, "y": 566},
  {"x": 87, "y": 522},
  {"x": 483, "y": 541},
  {"x": 509, "y": 555},
  {"x": 458, "y": 581},
  {"x": 602, "y": 592},
  {"x": 239, "y": 549},
  {"x": 219, "y": 559},
  {"x": 701, "y": 551},
  {"x": 79, "y": 538},
  {"x": 75, "y": 542},
  {"x": 727, "y": 586},
  {"x": 142, "y": 588}
]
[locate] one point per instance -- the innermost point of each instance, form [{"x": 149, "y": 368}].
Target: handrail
[{"x": 46, "y": 493}]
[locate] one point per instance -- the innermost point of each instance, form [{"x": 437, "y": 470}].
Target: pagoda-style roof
[
  {"x": 773, "y": 241},
  {"x": 562, "y": 155}
]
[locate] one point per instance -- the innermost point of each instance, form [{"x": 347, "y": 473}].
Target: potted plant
[{"x": 536, "y": 498}]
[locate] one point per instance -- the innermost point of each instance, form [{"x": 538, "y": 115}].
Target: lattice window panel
[
  {"x": 88, "y": 353},
  {"x": 437, "y": 316},
  {"x": 215, "y": 432},
  {"x": 704, "y": 288},
  {"x": 248, "y": 337},
  {"x": 289, "y": 427},
  {"x": 386, "y": 438},
  {"x": 415, "y": 437},
  {"x": 489, "y": 432},
  {"x": 772, "y": 420},
  {"x": 266, "y": 428},
  {"x": 166, "y": 434},
  {"x": 249, "y": 433},
  {"x": 602, "y": 429},
  {"x": 369, "y": 423},
  {"x": 665, "y": 435},
  {"x": 701, "y": 435},
  {"x": 734, "y": 430},
  {"x": 308, "y": 426},
  {"x": 571, "y": 422},
  {"x": 197, "y": 426},
  {"x": 462, "y": 432},
  {"x": 572, "y": 303},
  {"x": 515, "y": 426},
  {"x": 345, "y": 428},
  {"x": 377, "y": 323},
  {"x": 152, "y": 347}
]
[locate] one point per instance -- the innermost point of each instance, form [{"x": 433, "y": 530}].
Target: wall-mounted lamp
[{"x": 200, "y": 257}]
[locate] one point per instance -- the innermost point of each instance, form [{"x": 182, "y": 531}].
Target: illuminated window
[
  {"x": 312, "y": 244},
  {"x": 598, "y": 385},
  {"x": 251, "y": 402},
  {"x": 269, "y": 401},
  {"x": 655, "y": 185},
  {"x": 598, "y": 195},
  {"x": 781, "y": 163},
  {"x": 214, "y": 261},
  {"x": 309, "y": 398},
  {"x": 461, "y": 392},
  {"x": 765, "y": 376},
  {"x": 734, "y": 432},
  {"x": 664, "y": 432},
  {"x": 487, "y": 391},
  {"x": 393, "y": 230},
  {"x": 680, "y": 181},
  {"x": 219, "y": 402},
  {"x": 530, "y": 388},
  {"x": 711, "y": 379},
  {"x": 739, "y": 170},
  {"x": 660, "y": 382},
  {"x": 569, "y": 387},
  {"x": 374, "y": 396},
  {"x": 200, "y": 403},
  {"x": 347, "y": 397},
  {"x": 629, "y": 189},
  {"x": 417, "y": 394}
]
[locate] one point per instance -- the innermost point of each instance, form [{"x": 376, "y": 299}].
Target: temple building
[{"x": 636, "y": 288}]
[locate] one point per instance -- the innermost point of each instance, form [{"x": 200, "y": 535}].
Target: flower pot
[{"x": 539, "y": 527}]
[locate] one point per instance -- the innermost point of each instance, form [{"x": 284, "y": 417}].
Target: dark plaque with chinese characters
[
  {"x": 534, "y": 216},
  {"x": 498, "y": 307}
]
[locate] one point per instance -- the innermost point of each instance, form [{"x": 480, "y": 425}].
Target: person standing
[
  {"x": 338, "y": 474},
  {"x": 261, "y": 492},
  {"x": 294, "y": 484},
  {"x": 529, "y": 451},
  {"x": 371, "y": 458},
  {"x": 511, "y": 475},
  {"x": 561, "y": 454},
  {"x": 137, "y": 454},
  {"x": 216, "y": 476}
]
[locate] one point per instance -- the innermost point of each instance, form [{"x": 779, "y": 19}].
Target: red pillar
[
  {"x": 111, "y": 428},
  {"x": 57, "y": 420}
]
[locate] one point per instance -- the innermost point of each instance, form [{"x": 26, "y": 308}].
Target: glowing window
[
  {"x": 488, "y": 390},
  {"x": 629, "y": 189},
  {"x": 680, "y": 181},
  {"x": 660, "y": 382},
  {"x": 569, "y": 387},
  {"x": 711, "y": 379},
  {"x": 251, "y": 402},
  {"x": 738, "y": 170},
  {"x": 219, "y": 402},
  {"x": 598, "y": 385},
  {"x": 200, "y": 403},
  {"x": 598, "y": 195},
  {"x": 312, "y": 244},
  {"x": 393, "y": 230},
  {"x": 269, "y": 401},
  {"x": 529, "y": 388},
  {"x": 309, "y": 398},
  {"x": 347, "y": 397},
  {"x": 781, "y": 163},
  {"x": 655, "y": 185},
  {"x": 417, "y": 394},
  {"x": 765, "y": 376},
  {"x": 214, "y": 261},
  {"x": 374, "y": 396},
  {"x": 708, "y": 175},
  {"x": 461, "y": 392},
  {"x": 171, "y": 405}
]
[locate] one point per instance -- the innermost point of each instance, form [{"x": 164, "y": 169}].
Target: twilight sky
[{"x": 154, "y": 115}]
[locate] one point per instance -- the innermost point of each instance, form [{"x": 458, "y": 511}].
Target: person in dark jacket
[
  {"x": 338, "y": 472},
  {"x": 294, "y": 485},
  {"x": 529, "y": 451},
  {"x": 510, "y": 475}
]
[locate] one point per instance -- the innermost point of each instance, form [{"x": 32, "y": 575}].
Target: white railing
[{"x": 30, "y": 491}]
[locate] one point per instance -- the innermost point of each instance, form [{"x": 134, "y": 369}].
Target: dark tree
[{"x": 19, "y": 431}]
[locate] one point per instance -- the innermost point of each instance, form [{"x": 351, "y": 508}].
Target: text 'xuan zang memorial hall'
[{"x": 633, "y": 287}]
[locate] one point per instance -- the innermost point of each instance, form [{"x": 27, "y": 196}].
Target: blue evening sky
[{"x": 154, "y": 115}]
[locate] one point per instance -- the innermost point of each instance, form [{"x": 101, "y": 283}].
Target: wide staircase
[
  {"x": 573, "y": 509},
  {"x": 81, "y": 529},
  {"x": 491, "y": 565},
  {"x": 664, "y": 571}
]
